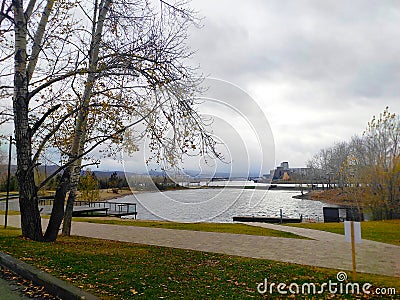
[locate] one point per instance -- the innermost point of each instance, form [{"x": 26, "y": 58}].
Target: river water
[{"x": 220, "y": 205}]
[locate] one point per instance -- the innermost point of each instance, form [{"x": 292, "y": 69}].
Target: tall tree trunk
[
  {"x": 57, "y": 212},
  {"x": 66, "y": 230},
  {"x": 30, "y": 216},
  {"x": 78, "y": 144}
]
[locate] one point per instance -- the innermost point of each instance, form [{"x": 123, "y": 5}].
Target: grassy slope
[
  {"x": 380, "y": 231},
  {"x": 116, "y": 270}
]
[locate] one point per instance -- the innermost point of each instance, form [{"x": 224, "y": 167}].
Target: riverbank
[
  {"x": 332, "y": 196},
  {"x": 108, "y": 194}
]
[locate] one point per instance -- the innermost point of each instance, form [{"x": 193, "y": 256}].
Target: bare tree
[
  {"x": 75, "y": 88},
  {"x": 368, "y": 166},
  {"x": 381, "y": 173}
]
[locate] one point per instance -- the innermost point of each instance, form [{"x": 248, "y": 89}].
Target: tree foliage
[
  {"x": 368, "y": 167},
  {"x": 89, "y": 186},
  {"x": 115, "y": 182}
]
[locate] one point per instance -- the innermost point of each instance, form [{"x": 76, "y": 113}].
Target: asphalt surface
[{"x": 10, "y": 290}]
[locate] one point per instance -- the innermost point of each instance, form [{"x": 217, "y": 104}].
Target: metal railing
[{"x": 113, "y": 207}]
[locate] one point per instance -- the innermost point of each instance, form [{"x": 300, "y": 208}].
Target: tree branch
[
  {"x": 51, "y": 133},
  {"x": 7, "y": 57},
  {"x": 43, "y": 118},
  {"x": 29, "y": 9},
  {"x": 4, "y": 14},
  {"x": 57, "y": 79},
  {"x": 37, "y": 40}
]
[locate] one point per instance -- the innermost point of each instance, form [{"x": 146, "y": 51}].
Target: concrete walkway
[{"x": 325, "y": 250}]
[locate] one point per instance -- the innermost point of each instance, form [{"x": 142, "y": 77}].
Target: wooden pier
[
  {"x": 115, "y": 209},
  {"x": 97, "y": 208}
]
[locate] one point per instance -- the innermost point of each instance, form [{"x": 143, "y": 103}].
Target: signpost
[{"x": 352, "y": 233}]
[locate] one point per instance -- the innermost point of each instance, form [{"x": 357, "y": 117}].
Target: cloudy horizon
[{"x": 319, "y": 70}]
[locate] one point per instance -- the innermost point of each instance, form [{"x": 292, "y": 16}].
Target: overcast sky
[{"x": 318, "y": 69}]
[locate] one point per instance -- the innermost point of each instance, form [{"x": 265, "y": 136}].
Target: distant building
[
  {"x": 285, "y": 165},
  {"x": 285, "y": 172}
]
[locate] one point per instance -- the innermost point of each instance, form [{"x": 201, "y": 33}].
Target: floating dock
[{"x": 266, "y": 219}]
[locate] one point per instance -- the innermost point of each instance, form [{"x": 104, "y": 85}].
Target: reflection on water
[{"x": 220, "y": 205}]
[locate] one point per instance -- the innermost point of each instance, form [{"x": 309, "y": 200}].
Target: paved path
[
  {"x": 325, "y": 250},
  {"x": 10, "y": 291}
]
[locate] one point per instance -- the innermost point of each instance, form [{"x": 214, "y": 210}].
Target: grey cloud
[
  {"x": 338, "y": 62},
  {"x": 377, "y": 80},
  {"x": 306, "y": 38}
]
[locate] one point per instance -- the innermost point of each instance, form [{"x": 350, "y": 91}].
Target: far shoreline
[{"x": 331, "y": 196}]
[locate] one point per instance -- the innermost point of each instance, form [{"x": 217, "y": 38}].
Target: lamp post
[{"x": 8, "y": 183}]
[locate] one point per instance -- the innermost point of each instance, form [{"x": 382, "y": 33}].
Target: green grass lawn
[
  {"x": 380, "y": 231},
  {"x": 10, "y": 212},
  {"x": 117, "y": 270},
  {"x": 4, "y": 194},
  {"x": 210, "y": 227}
]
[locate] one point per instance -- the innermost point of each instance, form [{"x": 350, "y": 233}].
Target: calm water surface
[{"x": 220, "y": 205}]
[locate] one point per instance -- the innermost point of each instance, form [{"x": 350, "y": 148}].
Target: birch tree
[{"x": 83, "y": 74}]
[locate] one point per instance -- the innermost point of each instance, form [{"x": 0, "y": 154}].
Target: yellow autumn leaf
[{"x": 133, "y": 291}]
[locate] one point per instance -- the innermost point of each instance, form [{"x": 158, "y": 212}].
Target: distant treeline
[{"x": 113, "y": 181}]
